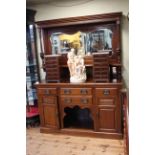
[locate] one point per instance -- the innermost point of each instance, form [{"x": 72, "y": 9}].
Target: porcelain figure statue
[{"x": 76, "y": 67}]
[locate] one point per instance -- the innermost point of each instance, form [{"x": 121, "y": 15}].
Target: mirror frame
[{"x": 74, "y": 24}]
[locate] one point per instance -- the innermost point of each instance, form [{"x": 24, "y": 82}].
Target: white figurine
[
  {"x": 76, "y": 67},
  {"x": 70, "y": 61}
]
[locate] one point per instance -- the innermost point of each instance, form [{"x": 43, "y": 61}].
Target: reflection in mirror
[
  {"x": 85, "y": 42},
  {"x": 55, "y": 42}
]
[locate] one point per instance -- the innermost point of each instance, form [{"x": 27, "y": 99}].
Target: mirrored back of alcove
[{"x": 98, "y": 40}]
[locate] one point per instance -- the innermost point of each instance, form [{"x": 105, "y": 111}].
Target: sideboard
[
  {"x": 83, "y": 109},
  {"x": 92, "y": 108}
]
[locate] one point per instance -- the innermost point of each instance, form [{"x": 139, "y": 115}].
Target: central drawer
[
  {"x": 76, "y": 91},
  {"x": 76, "y": 100}
]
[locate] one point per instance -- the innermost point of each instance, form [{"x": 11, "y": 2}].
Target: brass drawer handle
[
  {"x": 67, "y": 100},
  {"x": 84, "y": 101},
  {"x": 47, "y": 92},
  {"x": 106, "y": 92},
  {"x": 67, "y": 91},
  {"x": 84, "y": 91}
]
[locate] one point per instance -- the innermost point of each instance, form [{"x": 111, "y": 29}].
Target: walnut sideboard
[{"x": 91, "y": 109}]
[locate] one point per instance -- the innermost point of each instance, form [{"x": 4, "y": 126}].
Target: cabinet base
[{"x": 83, "y": 132}]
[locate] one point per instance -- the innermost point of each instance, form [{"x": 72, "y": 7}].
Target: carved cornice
[{"x": 99, "y": 18}]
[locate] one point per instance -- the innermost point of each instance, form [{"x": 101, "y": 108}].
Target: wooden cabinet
[
  {"x": 107, "y": 116},
  {"x": 125, "y": 102},
  {"x": 52, "y": 68},
  {"x": 106, "y": 119},
  {"x": 93, "y": 107},
  {"x": 108, "y": 109},
  {"x": 76, "y": 91},
  {"x": 50, "y": 116},
  {"x": 48, "y": 106},
  {"x": 77, "y": 100},
  {"x": 100, "y": 67},
  {"x": 97, "y": 35},
  {"x": 88, "y": 109}
]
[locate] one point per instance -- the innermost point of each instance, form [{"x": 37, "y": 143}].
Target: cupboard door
[
  {"x": 50, "y": 116},
  {"x": 48, "y": 108},
  {"x": 106, "y": 119}
]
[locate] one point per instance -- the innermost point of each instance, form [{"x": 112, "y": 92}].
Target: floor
[{"x": 59, "y": 144}]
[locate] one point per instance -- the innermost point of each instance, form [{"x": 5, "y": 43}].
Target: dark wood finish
[
  {"x": 71, "y": 25},
  {"x": 106, "y": 119},
  {"x": 107, "y": 100},
  {"x": 101, "y": 67},
  {"x": 50, "y": 114},
  {"x": 103, "y": 101},
  {"x": 107, "y": 18},
  {"x": 105, "y": 92},
  {"x": 48, "y": 107},
  {"x": 125, "y": 120},
  {"x": 91, "y": 108},
  {"x": 47, "y": 91},
  {"x": 76, "y": 91},
  {"x": 52, "y": 68},
  {"x": 76, "y": 100}
]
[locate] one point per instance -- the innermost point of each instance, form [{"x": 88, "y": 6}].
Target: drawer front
[
  {"x": 106, "y": 101},
  {"x": 76, "y": 100},
  {"x": 76, "y": 91},
  {"x": 49, "y": 100},
  {"x": 47, "y": 91},
  {"x": 105, "y": 92}
]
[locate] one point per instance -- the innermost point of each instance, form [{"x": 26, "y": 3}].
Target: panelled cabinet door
[
  {"x": 50, "y": 112},
  {"x": 106, "y": 119},
  {"x": 50, "y": 116},
  {"x": 107, "y": 110}
]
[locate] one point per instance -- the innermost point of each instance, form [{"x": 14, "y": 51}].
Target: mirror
[{"x": 99, "y": 40}]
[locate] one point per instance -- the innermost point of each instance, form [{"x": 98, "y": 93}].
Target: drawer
[
  {"x": 76, "y": 91},
  {"x": 47, "y": 91},
  {"x": 49, "y": 100},
  {"x": 106, "y": 101},
  {"x": 105, "y": 92},
  {"x": 76, "y": 100}
]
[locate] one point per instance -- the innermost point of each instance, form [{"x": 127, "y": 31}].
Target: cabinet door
[
  {"x": 50, "y": 116},
  {"x": 49, "y": 112},
  {"x": 108, "y": 110},
  {"x": 106, "y": 119}
]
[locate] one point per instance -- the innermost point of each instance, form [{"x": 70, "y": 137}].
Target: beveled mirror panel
[{"x": 98, "y": 40}]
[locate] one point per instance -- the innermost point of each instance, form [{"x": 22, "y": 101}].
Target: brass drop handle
[
  {"x": 84, "y": 100},
  {"x": 106, "y": 92},
  {"x": 67, "y": 91},
  {"x": 67, "y": 100},
  {"x": 47, "y": 92},
  {"x": 84, "y": 91}
]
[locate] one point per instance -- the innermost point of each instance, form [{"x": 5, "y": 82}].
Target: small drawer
[
  {"x": 76, "y": 100},
  {"x": 76, "y": 91},
  {"x": 105, "y": 92},
  {"x": 47, "y": 91},
  {"x": 49, "y": 100},
  {"x": 106, "y": 101}
]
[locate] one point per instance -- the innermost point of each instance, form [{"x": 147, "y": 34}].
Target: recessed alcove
[{"x": 78, "y": 118}]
